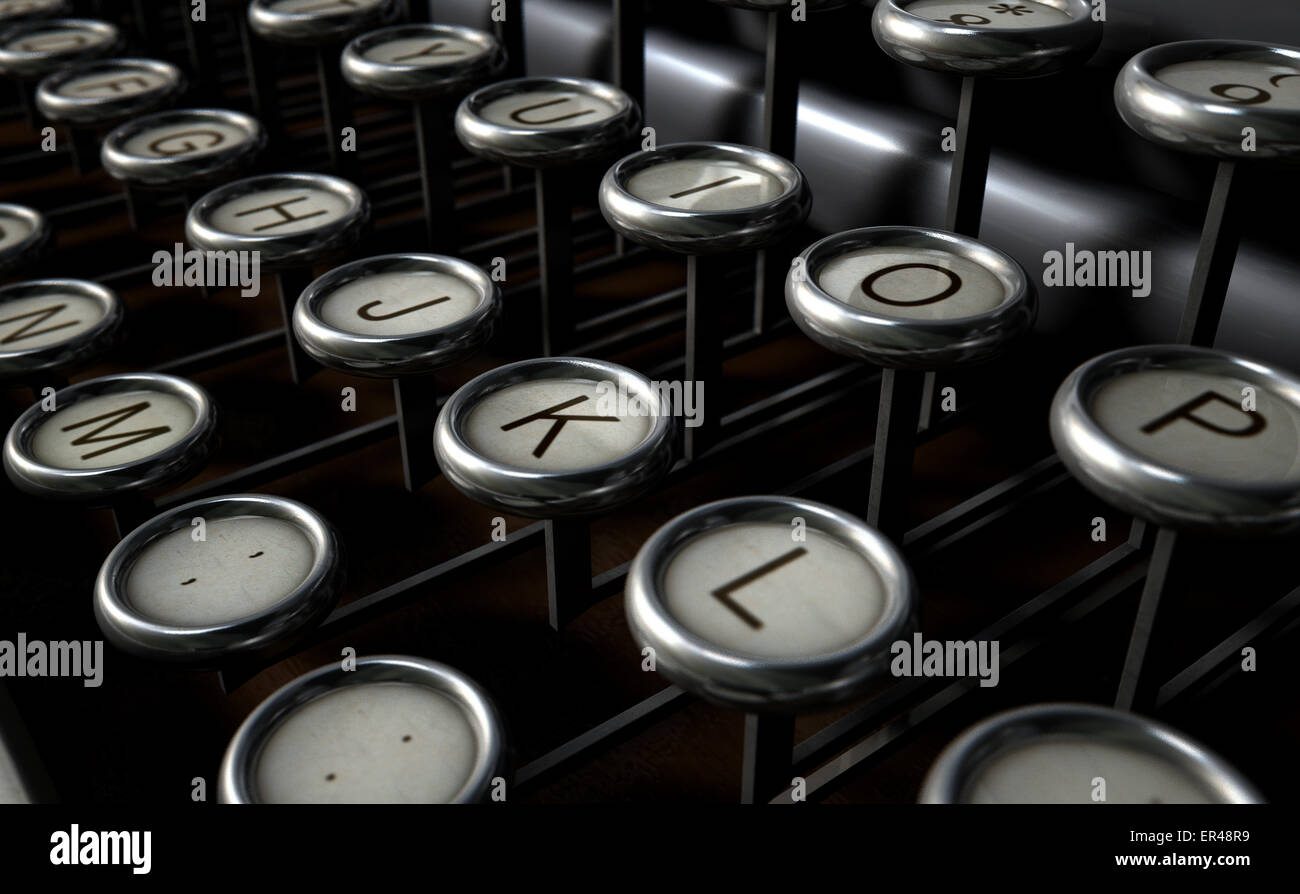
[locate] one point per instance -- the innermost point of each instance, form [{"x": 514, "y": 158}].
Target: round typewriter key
[
  {"x": 314, "y": 22},
  {"x": 1066, "y": 753},
  {"x": 909, "y": 297},
  {"x": 769, "y": 603},
  {"x": 563, "y": 439},
  {"x": 1234, "y": 100},
  {"x": 292, "y": 220},
  {"x": 1199, "y": 95},
  {"x": 17, "y": 10},
  {"x": 402, "y": 316},
  {"x": 106, "y": 90},
  {"x": 430, "y": 66},
  {"x": 703, "y": 199},
  {"x": 393, "y": 730},
  {"x": 1024, "y": 39},
  {"x": 32, "y": 49},
  {"x": 555, "y": 437},
  {"x": 1195, "y": 440},
  {"x": 321, "y": 24},
  {"x": 52, "y": 324},
  {"x": 182, "y": 148},
  {"x": 25, "y": 235},
  {"x": 110, "y": 436},
  {"x": 1184, "y": 436},
  {"x": 255, "y": 571},
  {"x": 550, "y": 124}
]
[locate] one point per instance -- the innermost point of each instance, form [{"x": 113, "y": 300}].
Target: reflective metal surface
[
  {"x": 181, "y": 170},
  {"x": 414, "y": 81},
  {"x": 973, "y": 48},
  {"x": 291, "y": 249},
  {"x": 17, "y": 362},
  {"x": 704, "y": 232},
  {"x": 394, "y": 355},
  {"x": 538, "y": 146},
  {"x": 29, "y": 64},
  {"x": 956, "y": 769},
  {"x": 89, "y": 111},
  {"x": 1182, "y": 120},
  {"x": 31, "y": 247},
  {"x": 751, "y": 683},
  {"x": 547, "y": 494},
  {"x": 336, "y": 23},
  {"x": 897, "y": 341},
  {"x": 206, "y": 646},
  {"x": 236, "y": 783},
  {"x": 1156, "y": 491},
  {"x": 169, "y": 465}
]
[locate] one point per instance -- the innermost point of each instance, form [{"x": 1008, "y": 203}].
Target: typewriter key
[
  {"x": 1198, "y": 441},
  {"x": 911, "y": 300},
  {"x": 92, "y": 95},
  {"x": 769, "y": 605},
  {"x": 108, "y": 439},
  {"x": 1233, "y": 100},
  {"x": 550, "y": 124},
  {"x": 49, "y": 325},
  {"x": 703, "y": 199},
  {"x": 182, "y": 149},
  {"x": 17, "y": 10},
  {"x": 401, "y": 316},
  {"x": 323, "y": 25},
  {"x": 395, "y": 729},
  {"x": 563, "y": 439},
  {"x": 256, "y": 571},
  {"x": 428, "y": 65},
  {"x": 29, "y": 50},
  {"x": 293, "y": 220},
  {"x": 1080, "y": 754},
  {"x": 25, "y": 237}
]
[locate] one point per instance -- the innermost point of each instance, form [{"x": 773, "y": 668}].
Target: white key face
[
  {"x": 56, "y": 40},
  {"x": 753, "y": 589},
  {"x": 1061, "y": 770},
  {"x": 12, "y": 8},
  {"x": 399, "y": 303},
  {"x": 372, "y": 743},
  {"x": 912, "y": 283},
  {"x": 118, "y": 83},
  {"x": 1022, "y": 14},
  {"x": 1237, "y": 82},
  {"x": 699, "y": 184},
  {"x": 322, "y": 7},
  {"x": 548, "y": 110},
  {"x": 277, "y": 212},
  {"x": 243, "y": 566},
  {"x": 425, "y": 52},
  {"x": 554, "y": 425},
  {"x": 203, "y": 136},
  {"x": 11, "y": 789},
  {"x": 38, "y": 321},
  {"x": 112, "y": 429},
  {"x": 1196, "y": 423},
  {"x": 13, "y": 230}
]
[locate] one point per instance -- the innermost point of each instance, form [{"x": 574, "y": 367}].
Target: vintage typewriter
[{"x": 611, "y": 401}]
